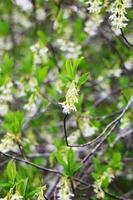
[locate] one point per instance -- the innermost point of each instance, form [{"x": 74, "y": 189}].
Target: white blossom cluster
[
  {"x": 92, "y": 24},
  {"x": 71, "y": 49},
  {"x": 64, "y": 192},
  {"x": 31, "y": 106},
  {"x": 98, "y": 183},
  {"x": 71, "y": 99},
  {"x": 12, "y": 196},
  {"x": 94, "y": 6},
  {"x": 40, "y": 53},
  {"x": 74, "y": 137},
  {"x": 86, "y": 127},
  {"x": 8, "y": 144},
  {"x": 118, "y": 17},
  {"x": 5, "y": 97}
]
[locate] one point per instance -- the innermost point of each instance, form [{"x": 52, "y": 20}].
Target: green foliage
[
  {"x": 13, "y": 122},
  {"x": 56, "y": 57},
  {"x": 11, "y": 171},
  {"x": 69, "y": 164}
]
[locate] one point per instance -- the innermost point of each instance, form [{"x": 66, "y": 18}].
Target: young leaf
[
  {"x": 11, "y": 171},
  {"x": 83, "y": 79}
]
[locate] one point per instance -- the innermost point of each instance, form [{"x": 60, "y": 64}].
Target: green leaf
[
  {"x": 11, "y": 171},
  {"x": 83, "y": 79},
  {"x": 13, "y": 122},
  {"x": 69, "y": 68},
  {"x": 41, "y": 73},
  {"x": 22, "y": 185},
  {"x": 76, "y": 63}
]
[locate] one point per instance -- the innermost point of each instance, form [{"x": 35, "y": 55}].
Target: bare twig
[{"x": 31, "y": 163}]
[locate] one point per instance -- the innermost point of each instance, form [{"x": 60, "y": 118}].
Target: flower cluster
[
  {"x": 74, "y": 137},
  {"x": 94, "y": 6},
  {"x": 31, "y": 106},
  {"x": 41, "y": 193},
  {"x": 92, "y": 24},
  {"x": 12, "y": 196},
  {"x": 118, "y": 17},
  {"x": 8, "y": 144},
  {"x": 64, "y": 192},
  {"x": 40, "y": 53},
  {"x": 5, "y": 97},
  {"x": 71, "y": 99},
  {"x": 109, "y": 173},
  {"x": 71, "y": 49}
]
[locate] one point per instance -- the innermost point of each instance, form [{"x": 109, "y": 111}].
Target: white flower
[
  {"x": 41, "y": 193},
  {"x": 8, "y": 144},
  {"x": 24, "y": 4},
  {"x": 71, "y": 49},
  {"x": 16, "y": 196},
  {"x": 88, "y": 130},
  {"x": 40, "y": 53},
  {"x": 20, "y": 89},
  {"x": 98, "y": 189},
  {"x": 129, "y": 64},
  {"x": 6, "y": 92},
  {"x": 71, "y": 99},
  {"x": 94, "y": 6},
  {"x": 74, "y": 137},
  {"x": 118, "y": 17},
  {"x": 64, "y": 190},
  {"x": 40, "y": 14},
  {"x": 31, "y": 106},
  {"x": 32, "y": 84},
  {"x": 109, "y": 173},
  {"x": 3, "y": 108},
  {"x": 92, "y": 24}
]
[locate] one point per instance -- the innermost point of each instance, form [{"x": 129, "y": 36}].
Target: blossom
[
  {"x": 92, "y": 24},
  {"x": 16, "y": 196},
  {"x": 118, "y": 17},
  {"x": 74, "y": 137},
  {"x": 71, "y": 98},
  {"x": 88, "y": 130},
  {"x": 6, "y": 92},
  {"x": 94, "y": 6},
  {"x": 31, "y": 106},
  {"x": 11, "y": 196},
  {"x": 8, "y": 144},
  {"x": 64, "y": 192},
  {"x": 41, "y": 193},
  {"x": 98, "y": 190},
  {"x": 3, "y": 108},
  {"x": 40, "y": 53},
  {"x": 71, "y": 49},
  {"x": 109, "y": 173}
]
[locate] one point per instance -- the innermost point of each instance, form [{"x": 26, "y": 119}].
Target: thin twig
[
  {"x": 125, "y": 39},
  {"x": 115, "y": 123},
  {"x": 31, "y": 163}
]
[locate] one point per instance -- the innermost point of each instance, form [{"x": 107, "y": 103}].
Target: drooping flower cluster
[
  {"x": 118, "y": 17},
  {"x": 92, "y": 24},
  {"x": 94, "y": 6},
  {"x": 41, "y": 193},
  {"x": 31, "y": 106},
  {"x": 71, "y": 99},
  {"x": 71, "y": 49},
  {"x": 12, "y": 196},
  {"x": 40, "y": 53},
  {"x": 109, "y": 173},
  {"x": 5, "y": 97},
  {"x": 64, "y": 192},
  {"x": 8, "y": 144},
  {"x": 74, "y": 137}
]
